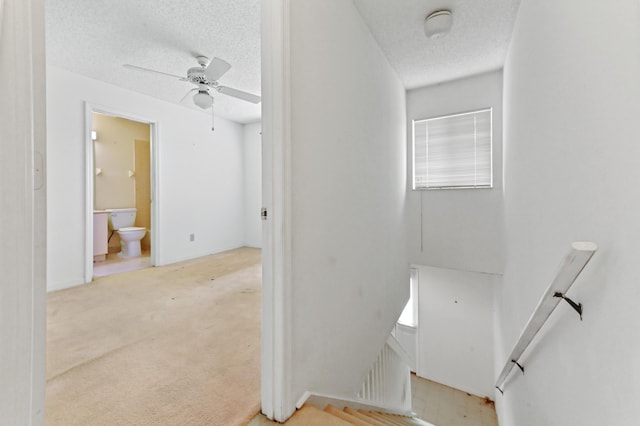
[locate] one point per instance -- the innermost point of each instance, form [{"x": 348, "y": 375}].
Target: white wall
[
  {"x": 252, "y": 188},
  {"x": 348, "y": 185},
  {"x": 455, "y": 331},
  {"x": 200, "y": 184},
  {"x": 572, "y": 102},
  {"x": 461, "y": 228},
  {"x": 408, "y": 338}
]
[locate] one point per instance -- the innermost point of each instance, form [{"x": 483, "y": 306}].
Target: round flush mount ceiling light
[{"x": 438, "y": 23}]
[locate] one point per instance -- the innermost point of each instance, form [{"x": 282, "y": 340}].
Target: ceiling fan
[{"x": 206, "y": 77}]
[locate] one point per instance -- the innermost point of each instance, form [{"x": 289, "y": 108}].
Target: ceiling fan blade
[
  {"x": 135, "y": 67},
  {"x": 239, "y": 94},
  {"x": 188, "y": 93},
  {"x": 216, "y": 69}
]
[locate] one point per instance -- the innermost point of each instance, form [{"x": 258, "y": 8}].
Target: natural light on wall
[
  {"x": 453, "y": 151},
  {"x": 409, "y": 315}
]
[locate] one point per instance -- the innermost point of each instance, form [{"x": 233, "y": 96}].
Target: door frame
[
  {"x": 278, "y": 401},
  {"x": 23, "y": 184},
  {"x": 90, "y": 109}
]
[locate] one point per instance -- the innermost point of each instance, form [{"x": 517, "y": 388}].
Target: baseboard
[{"x": 64, "y": 285}]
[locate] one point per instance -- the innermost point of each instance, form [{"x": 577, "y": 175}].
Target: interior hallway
[{"x": 178, "y": 344}]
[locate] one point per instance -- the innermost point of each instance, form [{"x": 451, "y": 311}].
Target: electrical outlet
[{"x": 192, "y": 237}]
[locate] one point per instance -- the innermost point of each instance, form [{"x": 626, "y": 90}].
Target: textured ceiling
[
  {"x": 477, "y": 42},
  {"x": 96, "y": 37}
]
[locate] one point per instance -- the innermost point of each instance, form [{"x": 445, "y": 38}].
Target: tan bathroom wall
[
  {"x": 142, "y": 162},
  {"x": 115, "y": 157}
]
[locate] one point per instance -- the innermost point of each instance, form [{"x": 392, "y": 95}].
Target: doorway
[{"x": 121, "y": 174}]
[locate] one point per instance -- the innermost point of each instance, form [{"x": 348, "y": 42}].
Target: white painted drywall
[
  {"x": 348, "y": 185},
  {"x": 23, "y": 217},
  {"x": 252, "y": 188},
  {"x": 455, "y": 330},
  {"x": 461, "y": 228},
  {"x": 200, "y": 175},
  {"x": 572, "y": 102}
]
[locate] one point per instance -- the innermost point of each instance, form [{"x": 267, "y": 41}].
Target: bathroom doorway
[{"x": 121, "y": 170}]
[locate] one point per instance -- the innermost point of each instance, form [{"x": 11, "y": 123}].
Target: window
[
  {"x": 453, "y": 151},
  {"x": 409, "y": 316}
]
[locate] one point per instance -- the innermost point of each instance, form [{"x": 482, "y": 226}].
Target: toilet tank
[{"x": 121, "y": 218}]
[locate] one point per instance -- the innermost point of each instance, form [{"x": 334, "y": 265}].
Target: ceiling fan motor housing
[{"x": 196, "y": 75}]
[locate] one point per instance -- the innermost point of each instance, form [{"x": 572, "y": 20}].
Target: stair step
[
  {"x": 394, "y": 419},
  {"x": 363, "y": 417},
  {"x": 418, "y": 422},
  {"x": 309, "y": 415},
  {"x": 386, "y": 419},
  {"x": 345, "y": 416}
]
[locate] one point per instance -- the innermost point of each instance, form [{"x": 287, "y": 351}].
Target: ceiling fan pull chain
[{"x": 213, "y": 114}]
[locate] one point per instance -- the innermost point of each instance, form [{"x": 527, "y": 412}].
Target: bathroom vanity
[{"x": 100, "y": 235}]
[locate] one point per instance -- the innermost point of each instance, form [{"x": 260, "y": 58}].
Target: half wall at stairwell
[{"x": 350, "y": 274}]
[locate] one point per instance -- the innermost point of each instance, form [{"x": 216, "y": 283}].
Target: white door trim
[
  {"x": 277, "y": 400},
  {"x": 90, "y": 178},
  {"x": 23, "y": 203}
]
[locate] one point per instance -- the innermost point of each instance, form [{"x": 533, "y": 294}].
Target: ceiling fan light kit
[
  {"x": 203, "y": 99},
  {"x": 438, "y": 23},
  {"x": 206, "y": 76}
]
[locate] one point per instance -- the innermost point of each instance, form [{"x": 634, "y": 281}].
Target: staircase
[{"x": 310, "y": 415}]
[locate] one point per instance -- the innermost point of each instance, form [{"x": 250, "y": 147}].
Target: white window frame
[{"x": 413, "y": 152}]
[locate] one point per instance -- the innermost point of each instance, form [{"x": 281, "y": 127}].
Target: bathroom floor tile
[{"x": 115, "y": 264}]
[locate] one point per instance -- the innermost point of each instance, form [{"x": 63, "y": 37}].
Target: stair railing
[
  {"x": 573, "y": 264},
  {"x": 388, "y": 383},
  {"x": 386, "y": 389}
]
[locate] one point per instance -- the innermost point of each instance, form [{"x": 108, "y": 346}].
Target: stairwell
[{"x": 310, "y": 415}]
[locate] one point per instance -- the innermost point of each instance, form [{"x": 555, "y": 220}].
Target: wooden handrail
[{"x": 573, "y": 264}]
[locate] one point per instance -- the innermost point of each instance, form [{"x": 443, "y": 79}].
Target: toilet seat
[{"x": 132, "y": 228}]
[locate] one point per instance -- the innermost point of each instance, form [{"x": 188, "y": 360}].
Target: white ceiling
[
  {"x": 96, "y": 37},
  {"x": 477, "y": 42}
]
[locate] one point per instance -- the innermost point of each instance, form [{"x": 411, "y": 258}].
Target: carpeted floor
[{"x": 173, "y": 345}]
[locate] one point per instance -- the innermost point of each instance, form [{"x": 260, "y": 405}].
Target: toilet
[{"x": 122, "y": 220}]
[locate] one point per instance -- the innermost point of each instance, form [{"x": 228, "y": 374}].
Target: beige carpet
[{"x": 174, "y": 345}]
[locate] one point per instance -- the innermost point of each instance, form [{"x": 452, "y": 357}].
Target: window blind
[{"x": 453, "y": 151}]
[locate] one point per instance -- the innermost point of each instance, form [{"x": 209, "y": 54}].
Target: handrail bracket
[
  {"x": 574, "y": 305},
  {"x": 518, "y": 364}
]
